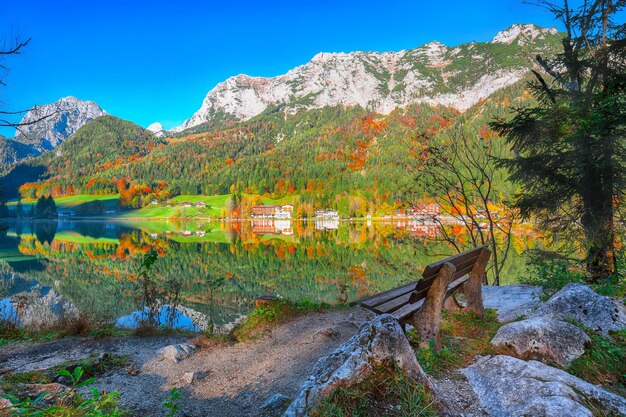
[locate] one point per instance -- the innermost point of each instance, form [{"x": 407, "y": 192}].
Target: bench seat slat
[
  {"x": 392, "y": 305},
  {"x": 408, "y": 309},
  {"x": 383, "y": 297}
]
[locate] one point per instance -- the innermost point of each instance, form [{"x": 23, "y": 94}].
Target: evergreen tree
[
  {"x": 19, "y": 210},
  {"x": 45, "y": 208},
  {"x": 4, "y": 210},
  {"x": 570, "y": 148}
]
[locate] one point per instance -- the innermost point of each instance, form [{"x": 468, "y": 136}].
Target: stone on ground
[
  {"x": 511, "y": 301},
  {"x": 378, "y": 341},
  {"x": 275, "y": 405},
  {"x": 580, "y": 303},
  {"x": 544, "y": 339},
  {"x": 508, "y": 386},
  {"x": 176, "y": 353}
]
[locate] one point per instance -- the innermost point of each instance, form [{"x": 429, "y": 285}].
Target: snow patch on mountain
[{"x": 157, "y": 129}]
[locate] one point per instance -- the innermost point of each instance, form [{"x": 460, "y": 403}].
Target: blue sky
[{"x": 155, "y": 61}]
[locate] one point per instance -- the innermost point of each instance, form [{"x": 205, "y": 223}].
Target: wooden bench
[{"x": 420, "y": 302}]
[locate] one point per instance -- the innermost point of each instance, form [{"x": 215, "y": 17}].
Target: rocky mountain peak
[
  {"x": 66, "y": 116},
  {"x": 523, "y": 34},
  {"x": 434, "y": 74}
]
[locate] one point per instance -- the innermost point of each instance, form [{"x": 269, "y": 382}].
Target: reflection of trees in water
[
  {"x": 45, "y": 231},
  {"x": 222, "y": 280}
]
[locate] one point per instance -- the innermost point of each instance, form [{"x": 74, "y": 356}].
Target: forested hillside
[{"x": 334, "y": 156}]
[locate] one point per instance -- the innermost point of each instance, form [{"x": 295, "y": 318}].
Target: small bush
[
  {"x": 551, "y": 271},
  {"x": 386, "y": 392},
  {"x": 69, "y": 403},
  {"x": 270, "y": 313}
]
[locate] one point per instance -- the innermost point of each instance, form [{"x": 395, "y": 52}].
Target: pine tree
[{"x": 570, "y": 148}]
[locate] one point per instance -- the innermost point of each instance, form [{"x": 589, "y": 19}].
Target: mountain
[
  {"x": 12, "y": 151},
  {"x": 107, "y": 143},
  {"x": 434, "y": 74},
  {"x": 67, "y": 115}
]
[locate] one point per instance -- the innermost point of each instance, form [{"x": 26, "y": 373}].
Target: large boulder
[
  {"x": 578, "y": 302},
  {"x": 511, "y": 301},
  {"x": 175, "y": 353},
  {"x": 511, "y": 387},
  {"x": 547, "y": 340},
  {"x": 378, "y": 341}
]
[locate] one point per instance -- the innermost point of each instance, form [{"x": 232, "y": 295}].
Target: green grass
[
  {"x": 215, "y": 205},
  {"x": 110, "y": 201},
  {"x": 264, "y": 316},
  {"x": 386, "y": 392},
  {"x": 604, "y": 362},
  {"x": 210, "y": 200},
  {"x": 463, "y": 336}
]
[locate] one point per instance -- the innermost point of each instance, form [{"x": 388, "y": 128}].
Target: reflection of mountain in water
[
  {"x": 182, "y": 318},
  {"x": 29, "y": 304}
]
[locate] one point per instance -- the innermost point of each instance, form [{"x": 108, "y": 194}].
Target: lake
[{"x": 54, "y": 270}]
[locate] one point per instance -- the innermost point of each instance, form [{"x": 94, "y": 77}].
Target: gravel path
[{"x": 238, "y": 378}]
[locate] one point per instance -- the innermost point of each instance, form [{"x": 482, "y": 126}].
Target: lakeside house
[
  {"x": 272, "y": 212},
  {"x": 326, "y": 214},
  {"x": 420, "y": 211}
]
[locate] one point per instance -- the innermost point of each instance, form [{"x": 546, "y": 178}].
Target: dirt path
[{"x": 238, "y": 378}]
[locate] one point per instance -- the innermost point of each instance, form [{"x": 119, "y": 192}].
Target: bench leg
[
  {"x": 427, "y": 320},
  {"x": 473, "y": 288}
]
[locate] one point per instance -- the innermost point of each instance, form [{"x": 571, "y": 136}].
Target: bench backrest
[{"x": 463, "y": 262}]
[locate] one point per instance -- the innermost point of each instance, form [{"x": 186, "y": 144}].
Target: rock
[
  {"x": 176, "y": 353},
  {"x": 5, "y": 403},
  {"x": 508, "y": 386},
  {"x": 200, "y": 375},
  {"x": 578, "y": 302},
  {"x": 547, "y": 340},
  {"x": 275, "y": 405},
  {"x": 5, "y": 406},
  {"x": 377, "y": 341},
  {"x": 330, "y": 333},
  {"x": 511, "y": 301},
  {"x": 34, "y": 390},
  {"x": 188, "y": 378},
  {"x": 54, "y": 392}
]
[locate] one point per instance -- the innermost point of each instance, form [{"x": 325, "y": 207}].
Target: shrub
[{"x": 386, "y": 392}]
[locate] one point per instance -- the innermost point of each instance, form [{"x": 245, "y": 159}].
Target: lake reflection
[{"x": 52, "y": 270}]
